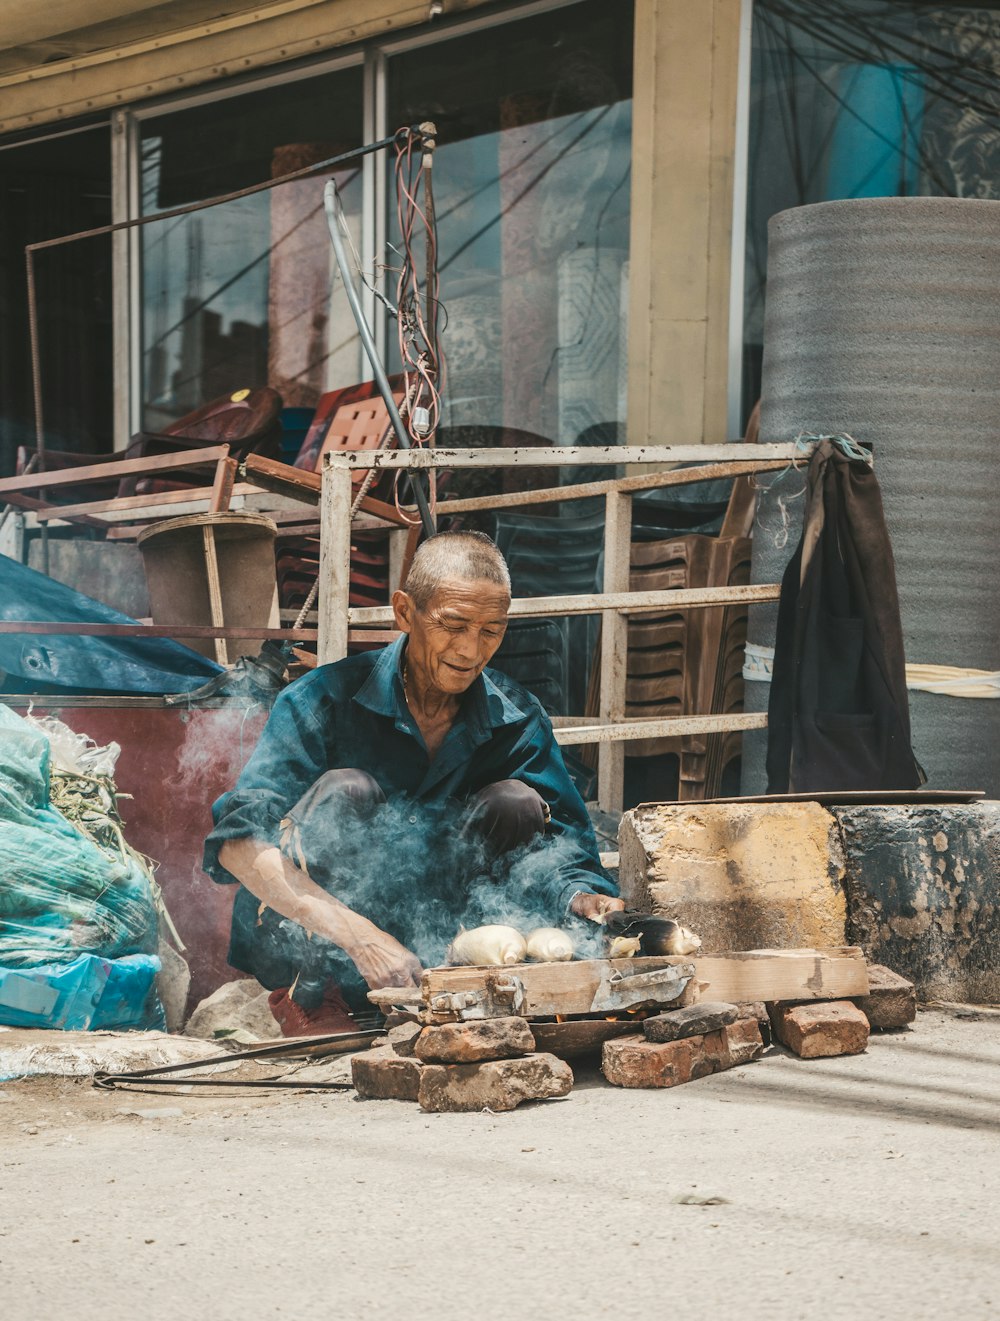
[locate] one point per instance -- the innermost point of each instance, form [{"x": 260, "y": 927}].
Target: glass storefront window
[
  {"x": 531, "y": 182},
  {"x": 57, "y": 185},
  {"x": 243, "y": 294},
  {"x": 864, "y": 98}
]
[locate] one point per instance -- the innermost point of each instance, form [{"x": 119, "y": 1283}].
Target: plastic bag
[{"x": 62, "y": 894}]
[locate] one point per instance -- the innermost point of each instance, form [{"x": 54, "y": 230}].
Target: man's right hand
[{"x": 383, "y": 961}]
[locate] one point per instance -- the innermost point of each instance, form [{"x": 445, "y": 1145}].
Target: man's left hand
[{"x": 594, "y": 907}]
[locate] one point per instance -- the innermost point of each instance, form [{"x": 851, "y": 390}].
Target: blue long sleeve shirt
[{"x": 354, "y": 714}]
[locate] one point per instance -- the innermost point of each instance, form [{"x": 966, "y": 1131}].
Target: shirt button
[{"x": 413, "y": 820}]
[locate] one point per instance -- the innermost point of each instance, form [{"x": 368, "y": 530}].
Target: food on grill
[
  {"x": 657, "y": 935},
  {"x": 550, "y": 945},
  {"x": 492, "y": 946}
]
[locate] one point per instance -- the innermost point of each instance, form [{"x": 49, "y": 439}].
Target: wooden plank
[
  {"x": 43, "y": 511},
  {"x": 222, "y": 487},
  {"x": 335, "y": 565},
  {"x": 527, "y": 607},
  {"x": 208, "y": 456},
  {"x": 156, "y": 504},
  {"x": 300, "y": 484},
  {"x": 614, "y": 649},
  {"x": 214, "y": 592},
  {"x": 282, "y": 478},
  {"x": 658, "y": 727},
  {"x": 54, "y": 628},
  {"x": 586, "y": 490},
  {"x": 564, "y": 456},
  {"x": 736, "y": 977}
]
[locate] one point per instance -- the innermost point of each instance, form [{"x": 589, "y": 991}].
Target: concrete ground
[{"x": 847, "y": 1188}]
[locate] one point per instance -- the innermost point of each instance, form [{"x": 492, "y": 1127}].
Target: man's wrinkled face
[{"x": 454, "y": 638}]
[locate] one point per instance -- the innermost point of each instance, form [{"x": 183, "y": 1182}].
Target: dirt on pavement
[{"x": 842, "y": 1188}]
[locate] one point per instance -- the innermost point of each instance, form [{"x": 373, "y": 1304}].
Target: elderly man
[{"x": 396, "y": 794}]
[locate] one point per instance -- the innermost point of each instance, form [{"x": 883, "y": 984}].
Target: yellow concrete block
[{"x": 753, "y": 876}]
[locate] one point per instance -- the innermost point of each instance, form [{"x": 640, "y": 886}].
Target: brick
[
  {"x": 493, "y": 1084},
  {"x": 382, "y": 1075},
  {"x": 693, "y": 1021},
  {"x": 756, "y": 1010},
  {"x": 742, "y": 1042},
  {"x": 471, "y": 1043},
  {"x": 891, "y": 1001},
  {"x": 403, "y": 1037},
  {"x": 820, "y": 1029},
  {"x": 636, "y": 1062},
  {"x": 746, "y": 876}
]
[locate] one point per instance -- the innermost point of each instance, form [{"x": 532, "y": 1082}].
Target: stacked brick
[{"x": 490, "y": 1064}]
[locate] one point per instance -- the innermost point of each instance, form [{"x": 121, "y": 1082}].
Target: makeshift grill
[{"x": 490, "y": 1037}]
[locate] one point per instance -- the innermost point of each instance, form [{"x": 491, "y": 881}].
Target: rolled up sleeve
[
  {"x": 290, "y": 756},
  {"x": 537, "y": 761}
]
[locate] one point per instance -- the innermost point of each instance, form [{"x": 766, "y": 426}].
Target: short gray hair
[{"x": 467, "y": 556}]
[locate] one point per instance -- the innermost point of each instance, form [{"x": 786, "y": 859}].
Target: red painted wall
[{"x": 175, "y": 763}]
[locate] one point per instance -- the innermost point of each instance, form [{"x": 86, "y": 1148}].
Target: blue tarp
[{"x": 40, "y": 663}]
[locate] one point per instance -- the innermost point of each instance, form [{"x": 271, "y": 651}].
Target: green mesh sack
[{"x": 61, "y": 893}]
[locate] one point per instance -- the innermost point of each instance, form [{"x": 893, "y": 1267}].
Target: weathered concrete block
[
  {"x": 382, "y": 1075},
  {"x": 493, "y": 1084},
  {"x": 923, "y": 891},
  {"x": 693, "y": 1021},
  {"x": 822, "y": 1028},
  {"x": 891, "y": 1001},
  {"x": 238, "y": 1006},
  {"x": 753, "y": 876},
  {"x": 636, "y": 1062},
  {"x": 469, "y": 1043}
]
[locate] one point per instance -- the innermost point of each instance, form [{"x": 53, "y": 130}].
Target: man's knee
[
  {"x": 349, "y": 785},
  {"x": 507, "y": 814}
]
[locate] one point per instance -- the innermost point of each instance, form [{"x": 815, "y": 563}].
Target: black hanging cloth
[{"x": 838, "y": 716}]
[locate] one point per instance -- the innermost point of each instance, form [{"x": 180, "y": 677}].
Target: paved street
[{"x": 853, "y": 1188}]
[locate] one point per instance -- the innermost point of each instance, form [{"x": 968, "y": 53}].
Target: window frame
[{"x": 373, "y": 58}]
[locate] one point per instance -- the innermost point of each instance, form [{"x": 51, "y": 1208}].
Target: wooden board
[
  {"x": 581, "y": 1037},
  {"x": 736, "y": 977},
  {"x": 862, "y": 797}
]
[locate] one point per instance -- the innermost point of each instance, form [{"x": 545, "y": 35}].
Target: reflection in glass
[
  {"x": 239, "y": 295},
  {"x": 864, "y": 98},
  {"x": 531, "y": 183}
]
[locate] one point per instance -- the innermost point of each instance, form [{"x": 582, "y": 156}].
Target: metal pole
[{"x": 331, "y": 199}]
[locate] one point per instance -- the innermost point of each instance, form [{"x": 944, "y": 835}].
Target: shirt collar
[{"x": 485, "y": 705}]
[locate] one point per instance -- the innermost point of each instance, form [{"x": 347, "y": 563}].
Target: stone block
[
  {"x": 693, "y": 1021},
  {"x": 636, "y": 1062},
  {"x": 756, "y": 1010},
  {"x": 923, "y": 894},
  {"x": 741, "y": 1043},
  {"x": 471, "y": 1043},
  {"x": 493, "y": 1084},
  {"x": 403, "y": 1037},
  {"x": 891, "y": 1001},
  {"x": 382, "y": 1075},
  {"x": 744, "y": 876},
  {"x": 238, "y": 1006},
  {"x": 821, "y": 1028}
]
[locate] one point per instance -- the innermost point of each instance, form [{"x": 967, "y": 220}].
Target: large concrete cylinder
[{"x": 883, "y": 320}]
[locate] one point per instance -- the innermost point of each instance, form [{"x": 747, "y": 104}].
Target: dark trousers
[{"x": 416, "y": 870}]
